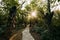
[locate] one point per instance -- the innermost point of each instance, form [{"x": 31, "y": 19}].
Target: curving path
[{"x": 26, "y": 34}]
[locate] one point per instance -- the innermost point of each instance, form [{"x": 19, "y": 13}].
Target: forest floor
[{"x": 25, "y": 34}]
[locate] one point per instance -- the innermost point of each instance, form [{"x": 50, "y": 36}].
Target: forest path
[
  {"x": 26, "y": 34},
  {"x": 22, "y": 35}
]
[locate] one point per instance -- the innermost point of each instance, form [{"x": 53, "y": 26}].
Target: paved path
[{"x": 26, "y": 35}]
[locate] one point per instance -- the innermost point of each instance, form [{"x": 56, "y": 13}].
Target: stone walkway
[{"x": 26, "y": 34}]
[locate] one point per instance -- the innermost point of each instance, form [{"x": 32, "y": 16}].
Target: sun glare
[
  {"x": 33, "y": 14},
  {"x": 0, "y": 0}
]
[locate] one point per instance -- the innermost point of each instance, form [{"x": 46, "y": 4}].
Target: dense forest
[{"x": 43, "y": 16}]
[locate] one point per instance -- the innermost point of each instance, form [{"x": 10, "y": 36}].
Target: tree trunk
[
  {"x": 11, "y": 23},
  {"x": 48, "y": 5}
]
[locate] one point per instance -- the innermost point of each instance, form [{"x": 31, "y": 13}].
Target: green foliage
[
  {"x": 58, "y": 0},
  {"x": 39, "y": 27}
]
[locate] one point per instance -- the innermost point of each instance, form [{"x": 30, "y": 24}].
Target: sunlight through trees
[{"x": 43, "y": 15}]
